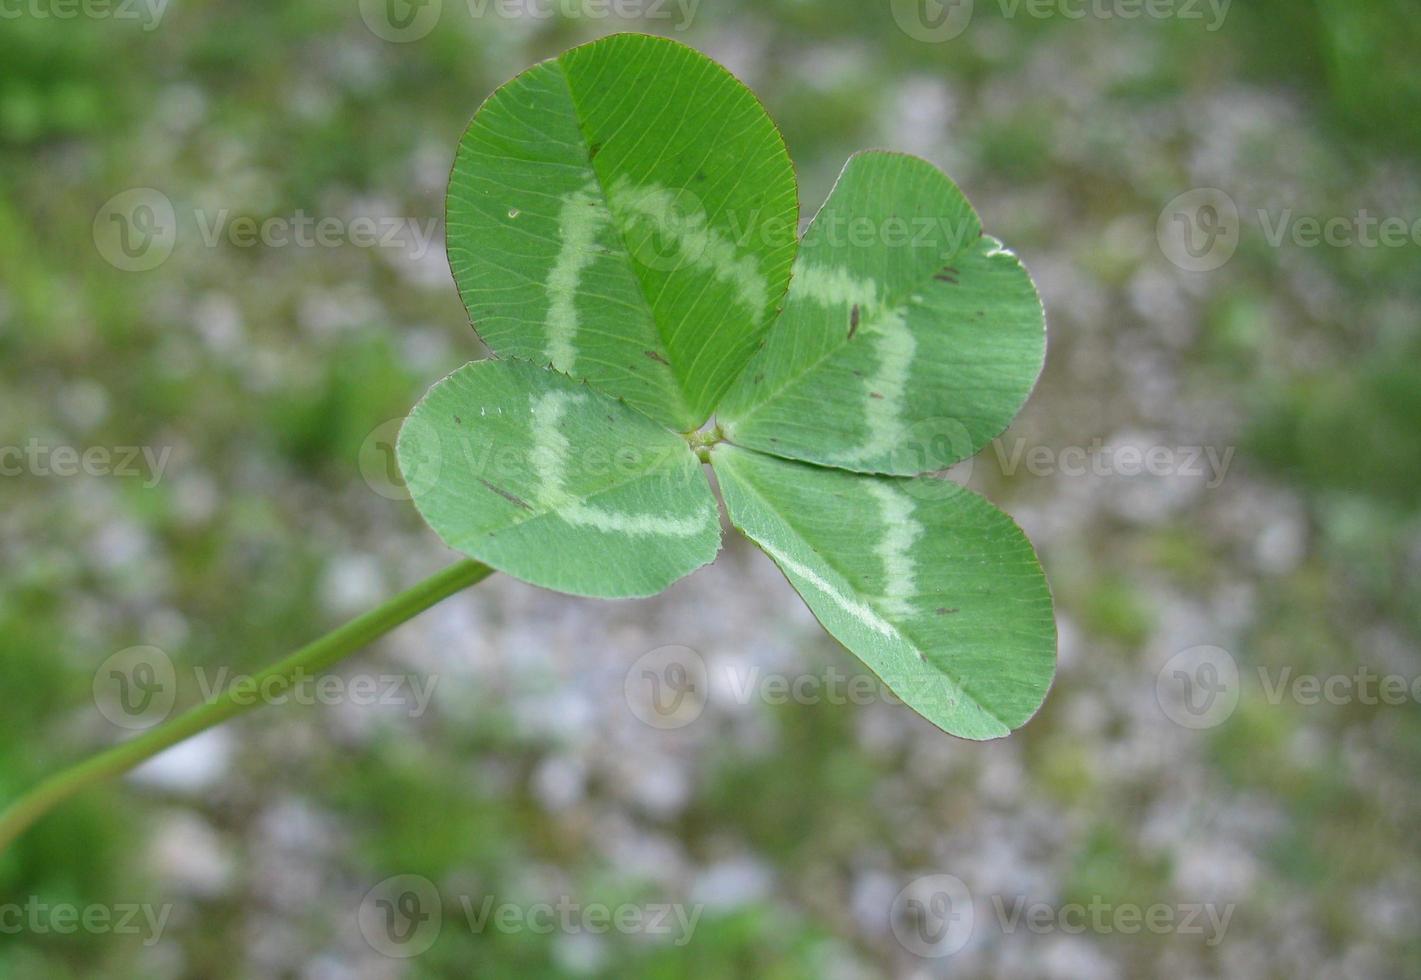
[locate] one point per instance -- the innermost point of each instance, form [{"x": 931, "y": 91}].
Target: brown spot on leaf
[
  {"x": 943, "y": 610},
  {"x": 853, "y": 321},
  {"x": 874, "y": 394},
  {"x": 510, "y": 497},
  {"x": 656, "y": 356}
]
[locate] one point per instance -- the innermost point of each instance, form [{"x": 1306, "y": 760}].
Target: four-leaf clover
[{"x": 623, "y": 228}]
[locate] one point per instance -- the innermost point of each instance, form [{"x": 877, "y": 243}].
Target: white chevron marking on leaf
[
  {"x": 861, "y": 611},
  {"x": 886, "y": 390},
  {"x": 832, "y": 285},
  {"x": 549, "y": 459},
  {"x": 894, "y": 549},
  {"x": 612, "y": 521},
  {"x": 580, "y": 221},
  {"x": 550, "y": 447},
  {"x": 696, "y": 242}
]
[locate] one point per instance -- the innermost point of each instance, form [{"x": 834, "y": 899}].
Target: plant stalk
[{"x": 243, "y": 695}]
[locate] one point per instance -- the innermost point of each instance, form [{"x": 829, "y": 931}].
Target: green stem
[{"x": 241, "y": 696}]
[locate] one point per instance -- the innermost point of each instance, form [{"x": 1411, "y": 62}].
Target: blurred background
[{"x": 1220, "y": 469}]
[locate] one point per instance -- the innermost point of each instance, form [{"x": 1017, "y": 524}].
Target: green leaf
[
  {"x": 626, "y": 212},
  {"x": 936, "y": 590},
  {"x": 542, "y": 477},
  {"x": 908, "y": 339}
]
